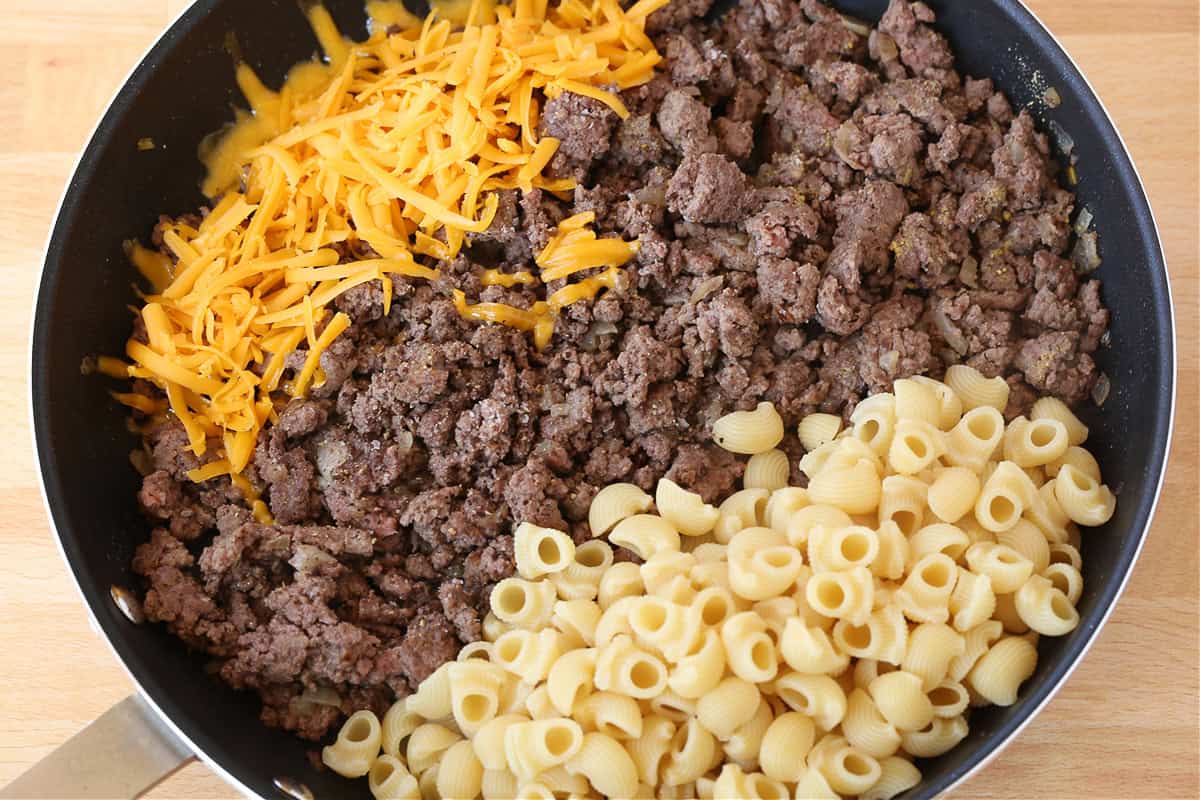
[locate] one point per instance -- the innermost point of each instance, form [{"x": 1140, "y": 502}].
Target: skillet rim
[{"x": 1041, "y": 692}]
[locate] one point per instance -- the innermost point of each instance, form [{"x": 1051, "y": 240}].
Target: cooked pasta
[
  {"x": 952, "y": 494},
  {"x": 903, "y": 501},
  {"x": 645, "y": 535},
  {"x": 459, "y": 773},
  {"x": 770, "y": 470},
  {"x": 728, "y": 706},
  {"x": 744, "y": 746},
  {"x": 976, "y": 391},
  {"x": 974, "y": 440},
  {"x": 818, "y": 696},
  {"x": 525, "y": 604},
  {"x": 1044, "y": 608},
  {"x": 854, "y": 489},
  {"x": 804, "y": 643},
  {"x": 866, "y": 728},
  {"x": 356, "y": 747},
  {"x": 749, "y": 432},
  {"x": 999, "y": 672},
  {"x": 389, "y": 779},
  {"x": 744, "y": 509},
  {"x": 1033, "y": 444},
  {"x": 614, "y": 503},
  {"x": 931, "y": 648},
  {"x": 817, "y": 430},
  {"x": 874, "y": 421},
  {"x": 950, "y": 406},
  {"x": 540, "y": 551},
  {"x": 619, "y": 580},
  {"x": 1055, "y": 409},
  {"x": 686, "y": 510},
  {"x": 1084, "y": 499}
]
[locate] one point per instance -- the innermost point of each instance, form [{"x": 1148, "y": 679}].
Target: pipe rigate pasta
[
  {"x": 818, "y": 696},
  {"x": 389, "y": 779},
  {"x": 744, "y": 509},
  {"x": 974, "y": 440},
  {"x": 540, "y": 551},
  {"x": 475, "y": 689},
  {"x": 645, "y": 535},
  {"x": 942, "y": 736},
  {"x": 931, "y": 648},
  {"x": 1032, "y": 444},
  {"x": 749, "y": 432},
  {"x": 426, "y": 745},
  {"x": 614, "y": 503},
  {"x": 854, "y": 489},
  {"x": 802, "y": 522},
  {"x": 806, "y": 642},
  {"x": 874, "y": 421},
  {"x": 459, "y": 774},
  {"x": 866, "y": 728},
  {"x": 649, "y": 751},
  {"x": 1044, "y": 608},
  {"x": 770, "y": 470},
  {"x": 619, "y": 580},
  {"x": 903, "y": 500},
  {"x": 817, "y": 430},
  {"x": 785, "y": 745},
  {"x": 693, "y": 748},
  {"x": 686, "y": 510},
  {"x": 808, "y": 649},
  {"x": 749, "y": 650},
  {"x": 1078, "y": 458},
  {"x": 916, "y": 401},
  {"x": 1055, "y": 409},
  {"x": 606, "y": 765},
  {"x": 975, "y": 390},
  {"x": 743, "y": 747},
  {"x": 356, "y": 747},
  {"x": 1084, "y": 499},
  {"x": 1067, "y": 579},
  {"x": 1000, "y": 671}
]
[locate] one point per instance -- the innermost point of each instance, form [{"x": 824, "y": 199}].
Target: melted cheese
[{"x": 397, "y": 145}]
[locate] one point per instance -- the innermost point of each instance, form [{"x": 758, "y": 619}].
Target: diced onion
[
  {"x": 1084, "y": 220},
  {"x": 1086, "y": 253},
  {"x": 949, "y": 331},
  {"x": 1052, "y": 97},
  {"x": 706, "y": 287},
  {"x": 1101, "y": 389}
]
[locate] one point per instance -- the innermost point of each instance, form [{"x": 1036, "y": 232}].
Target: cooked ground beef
[{"x": 806, "y": 199}]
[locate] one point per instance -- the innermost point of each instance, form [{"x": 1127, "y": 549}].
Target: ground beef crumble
[{"x": 806, "y": 199}]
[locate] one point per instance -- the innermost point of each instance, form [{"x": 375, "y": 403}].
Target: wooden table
[{"x": 1126, "y": 723}]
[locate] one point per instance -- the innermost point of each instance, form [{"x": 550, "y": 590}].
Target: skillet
[{"x": 184, "y": 89}]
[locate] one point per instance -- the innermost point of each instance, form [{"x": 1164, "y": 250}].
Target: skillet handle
[{"x": 121, "y": 755}]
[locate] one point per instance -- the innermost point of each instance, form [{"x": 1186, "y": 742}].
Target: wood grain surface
[{"x": 1124, "y": 726}]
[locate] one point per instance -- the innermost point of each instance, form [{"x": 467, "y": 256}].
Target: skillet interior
[{"x": 184, "y": 90}]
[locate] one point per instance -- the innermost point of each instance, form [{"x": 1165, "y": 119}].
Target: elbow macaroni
[{"x": 799, "y": 643}]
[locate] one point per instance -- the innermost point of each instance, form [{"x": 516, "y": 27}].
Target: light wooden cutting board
[{"x": 1124, "y": 726}]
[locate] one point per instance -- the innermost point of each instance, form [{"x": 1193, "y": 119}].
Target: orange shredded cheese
[{"x": 395, "y": 145}]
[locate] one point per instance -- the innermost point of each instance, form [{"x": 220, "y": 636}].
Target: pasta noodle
[
  {"x": 803, "y": 643},
  {"x": 357, "y": 746},
  {"x": 769, "y": 470},
  {"x": 976, "y": 391},
  {"x": 749, "y": 432},
  {"x": 686, "y": 510},
  {"x": 614, "y": 503},
  {"x": 645, "y": 535},
  {"x": 952, "y": 494},
  {"x": 817, "y": 430},
  {"x": 1054, "y": 409},
  {"x": 540, "y": 551}
]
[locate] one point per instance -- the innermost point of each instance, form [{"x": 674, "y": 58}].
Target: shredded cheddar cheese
[{"x": 394, "y": 148}]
